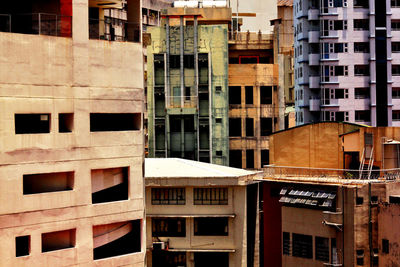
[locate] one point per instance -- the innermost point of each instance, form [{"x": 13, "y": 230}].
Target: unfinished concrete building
[
  {"x": 187, "y": 85},
  {"x": 253, "y": 99},
  {"x": 71, "y": 136},
  {"x": 322, "y": 209},
  {"x": 200, "y": 214}
]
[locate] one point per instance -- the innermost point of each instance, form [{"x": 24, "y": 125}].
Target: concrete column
[
  {"x": 167, "y": 78},
  {"x": 181, "y": 53},
  {"x": 196, "y": 80}
]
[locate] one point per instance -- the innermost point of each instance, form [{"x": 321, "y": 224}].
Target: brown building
[
  {"x": 328, "y": 194},
  {"x": 253, "y": 99},
  {"x": 71, "y": 148}
]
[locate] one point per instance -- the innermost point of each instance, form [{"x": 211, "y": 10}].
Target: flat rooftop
[{"x": 182, "y": 168}]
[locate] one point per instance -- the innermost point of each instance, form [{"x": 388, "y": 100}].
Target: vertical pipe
[
  {"x": 181, "y": 52},
  {"x": 167, "y": 88},
  {"x": 196, "y": 81}
]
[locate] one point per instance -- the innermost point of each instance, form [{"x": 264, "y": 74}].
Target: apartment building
[
  {"x": 187, "y": 71},
  {"x": 200, "y": 214},
  {"x": 347, "y": 64},
  {"x": 332, "y": 205},
  {"x": 253, "y": 99},
  {"x": 72, "y": 186}
]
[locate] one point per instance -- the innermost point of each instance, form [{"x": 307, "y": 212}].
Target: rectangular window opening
[
  {"x": 266, "y": 126},
  {"x": 210, "y": 196},
  {"x": 249, "y": 127},
  {"x": 266, "y": 95},
  {"x": 168, "y": 196},
  {"x": 110, "y": 185},
  {"x": 22, "y": 245},
  {"x": 235, "y": 127},
  {"x": 322, "y": 249},
  {"x": 302, "y": 246},
  {"x": 235, "y": 95},
  {"x": 58, "y": 240},
  {"x": 211, "y": 226},
  {"x": 103, "y": 122},
  {"x": 250, "y": 159},
  {"x": 249, "y": 95},
  {"x": 65, "y": 122},
  {"x": 32, "y": 123},
  {"x": 47, "y": 182},
  {"x": 105, "y": 243},
  {"x": 235, "y": 158},
  {"x": 168, "y": 227}
]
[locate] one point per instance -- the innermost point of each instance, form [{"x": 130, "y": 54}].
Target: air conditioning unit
[{"x": 159, "y": 245}]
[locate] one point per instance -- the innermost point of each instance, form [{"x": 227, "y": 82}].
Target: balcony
[
  {"x": 314, "y": 82},
  {"x": 37, "y": 23},
  {"x": 313, "y": 14},
  {"x": 315, "y": 104},
  {"x": 313, "y": 59},
  {"x": 123, "y": 30},
  {"x": 313, "y": 36},
  {"x": 182, "y": 102}
]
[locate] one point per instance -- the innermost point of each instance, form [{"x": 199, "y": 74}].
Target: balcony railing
[
  {"x": 37, "y": 23},
  {"x": 304, "y": 172},
  {"x": 182, "y": 102},
  {"x": 124, "y": 31}
]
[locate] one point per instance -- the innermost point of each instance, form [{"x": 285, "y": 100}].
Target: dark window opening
[
  {"x": 385, "y": 246},
  {"x": 203, "y": 60},
  {"x": 47, "y": 182},
  {"x": 235, "y": 158},
  {"x": 218, "y": 120},
  {"x": 322, "y": 249},
  {"x": 286, "y": 243},
  {"x": 266, "y": 95},
  {"x": 235, "y": 95},
  {"x": 266, "y": 126},
  {"x": 395, "y": 46},
  {"x": 58, "y": 240},
  {"x": 249, "y": 127},
  {"x": 110, "y": 185},
  {"x": 174, "y": 61},
  {"x": 362, "y": 115},
  {"x": 361, "y": 3},
  {"x": 187, "y": 93},
  {"x": 233, "y": 60},
  {"x": 162, "y": 258},
  {"x": 396, "y": 70},
  {"x": 168, "y": 227},
  {"x": 211, "y": 226},
  {"x": 249, "y": 159},
  {"x": 396, "y": 115},
  {"x": 302, "y": 246},
  {"x": 361, "y": 93},
  {"x": 188, "y": 61},
  {"x": 211, "y": 259},
  {"x": 374, "y": 199},
  {"x": 218, "y": 153},
  {"x": 32, "y": 123},
  {"x": 361, "y": 24},
  {"x": 249, "y": 95},
  {"x": 235, "y": 127},
  {"x": 396, "y": 92},
  {"x": 361, "y": 70},
  {"x": 248, "y": 59},
  {"x": 360, "y": 256},
  {"x": 103, "y": 122},
  {"x": 210, "y": 196},
  {"x": 168, "y": 196},
  {"x": 362, "y": 47},
  {"x": 218, "y": 89},
  {"x": 395, "y": 25},
  {"x": 264, "y": 157},
  {"x": 129, "y": 243},
  {"x": 65, "y": 122},
  {"x": 22, "y": 245}
]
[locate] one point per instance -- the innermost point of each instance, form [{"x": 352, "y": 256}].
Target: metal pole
[{"x": 182, "y": 71}]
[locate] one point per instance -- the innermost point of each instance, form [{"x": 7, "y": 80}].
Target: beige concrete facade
[
  {"x": 164, "y": 174},
  {"x": 49, "y": 76}
]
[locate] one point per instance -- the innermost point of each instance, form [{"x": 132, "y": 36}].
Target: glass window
[
  {"x": 168, "y": 196},
  {"x": 210, "y": 196}
]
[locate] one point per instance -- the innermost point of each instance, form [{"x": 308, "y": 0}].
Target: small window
[
  {"x": 360, "y": 256},
  {"x": 322, "y": 249},
  {"x": 396, "y": 115},
  {"x": 396, "y": 70},
  {"x": 286, "y": 243},
  {"x": 168, "y": 196},
  {"x": 22, "y": 245},
  {"x": 249, "y": 95},
  {"x": 211, "y": 226},
  {"x": 361, "y": 24},
  {"x": 210, "y": 196},
  {"x": 359, "y": 200},
  {"x": 264, "y": 157},
  {"x": 266, "y": 126},
  {"x": 385, "y": 246},
  {"x": 362, "y": 47},
  {"x": 218, "y": 153},
  {"x": 168, "y": 227},
  {"x": 235, "y": 127},
  {"x": 235, "y": 95},
  {"x": 395, "y": 25},
  {"x": 362, "y": 115},
  {"x": 47, "y": 182},
  {"x": 361, "y": 70},
  {"x": 396, "y": 91},
  {"x": 395, "y": 3},
  {"x": 174, "y": 61},
  {"x": 187, "y": 93},
  {"x": 250, "y": 159},
  {"x": 109, "y": 185},
  {"x": 218, "y": 89},
  {"x": 65, "y": 122},
  {"x": 32, "y": 123},
  {"x": 58, "y": 240},
  {"x": 396, "y": 46},
  {"x": 249, "y": 127},
  {"x": 188, "y": 61},
  {"x": 374, "y": 199},
  {"x": 218, "y": 120},
  {"x": 103, "y": 122},
  {"x": 235, "y": 158},
  {"x": 361, "y": 93},
  {"x": 266, "y": 95},
  {"x": 302, "y": 246}
]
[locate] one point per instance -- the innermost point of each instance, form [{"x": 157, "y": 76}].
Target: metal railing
[
  {"x": 304, "y": 172},
  {"x": 124, "y": 31},
  {"x": 37, "y": 23},
  {"x": 250, "y": 37},
  {"x": 182, "y": 101}
]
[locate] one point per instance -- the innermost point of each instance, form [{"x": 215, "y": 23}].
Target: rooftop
[
  {"x": 182, "y": 168},
  {"x": 285, "y": 3}
]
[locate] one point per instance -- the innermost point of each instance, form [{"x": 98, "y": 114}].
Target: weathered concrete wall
[
  {"x": 314, "y": 145},
  {"x": 52, "y": 75}
]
